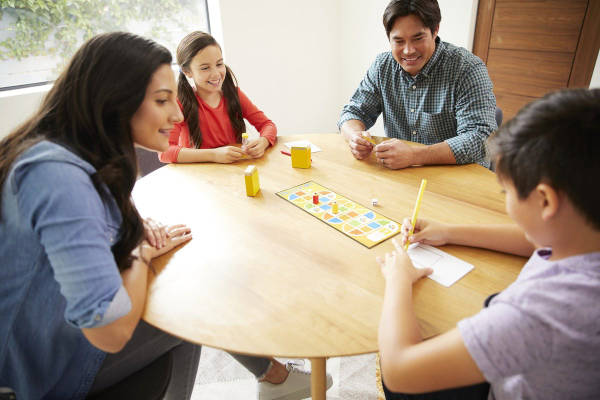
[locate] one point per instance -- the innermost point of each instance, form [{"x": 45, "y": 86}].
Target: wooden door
[{"x": 532, "y": 47}]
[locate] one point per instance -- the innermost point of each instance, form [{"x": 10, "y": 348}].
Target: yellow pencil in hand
[{"x": 413, "y": 220}]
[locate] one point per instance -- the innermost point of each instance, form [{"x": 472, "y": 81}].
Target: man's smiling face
[{"x": 412, "y": 43}]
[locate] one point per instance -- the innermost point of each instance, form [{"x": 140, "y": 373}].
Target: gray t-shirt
[{"x": 540, "y": 338}]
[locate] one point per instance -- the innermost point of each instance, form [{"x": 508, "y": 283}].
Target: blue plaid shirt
[{"x": 450, "y": 100}]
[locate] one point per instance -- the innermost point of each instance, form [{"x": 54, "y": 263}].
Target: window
[{"x": 38, "y": 37}]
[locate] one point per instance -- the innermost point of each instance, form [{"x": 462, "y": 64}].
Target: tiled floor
[{"x": 221, "y": 377}]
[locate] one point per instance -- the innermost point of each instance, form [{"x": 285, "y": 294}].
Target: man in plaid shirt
[{"x": 429, "y": 91}]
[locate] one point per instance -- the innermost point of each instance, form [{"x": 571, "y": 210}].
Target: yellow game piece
[
  {"x": 334, "y": 207},
  {"x": 368, "y": 138},
  {"x": 251, "y": 178},
  {"x": 301, "y": 157}
]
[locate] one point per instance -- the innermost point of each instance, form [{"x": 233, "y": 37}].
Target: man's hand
[
  {"x": 394, "y": 154},
  {"x": 360, "y": 147}
]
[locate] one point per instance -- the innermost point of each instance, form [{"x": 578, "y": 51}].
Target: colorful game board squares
[
  {"x": 356, "y": 232},
  {"x": 325, "y": 207},
  {"x": 366, "y": 229},
  {"x": 293, "y": 197},
  {"x": 344, "y": 217},
  {"x": 335, "y": 221},
  {"x": 354, "y": 223},
  {"x": 352, "y": 214},
  {"x": 370, "y": 215},
  {"x": 374, "y": 225}
]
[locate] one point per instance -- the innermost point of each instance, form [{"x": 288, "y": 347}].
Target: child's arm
[
  {"x": 258, "y": 119},
  {"x": 507, "y": 238},
  {"x": 409, "y": 364},
  {"x": 222, "y": 155}
]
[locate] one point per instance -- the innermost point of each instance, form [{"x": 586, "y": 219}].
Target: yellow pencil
[{"x": 416, "y": 210}]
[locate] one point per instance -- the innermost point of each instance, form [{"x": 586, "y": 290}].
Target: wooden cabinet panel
[
  {"x": 538, "y": 25},
  {"x": 528, "y": 73},
  {"x": 511, "y": 104}
]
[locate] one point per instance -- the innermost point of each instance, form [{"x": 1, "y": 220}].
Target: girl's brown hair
[{"x": 186, "y": 51}]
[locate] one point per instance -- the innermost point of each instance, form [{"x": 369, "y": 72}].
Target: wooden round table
[{"x": 263, "y": 277}]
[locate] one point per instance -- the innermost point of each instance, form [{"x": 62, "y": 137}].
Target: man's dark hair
[
  {"x": 554, "y": 140},
  {"x": 428, "y": 11}
]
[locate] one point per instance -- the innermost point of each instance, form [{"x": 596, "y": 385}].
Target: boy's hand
[
  {"x": 256, "y": 147},
  {"x": 397, "y": 265},
  {"x": 426, "y": 232},
  {"x": 227, "y": 154}
]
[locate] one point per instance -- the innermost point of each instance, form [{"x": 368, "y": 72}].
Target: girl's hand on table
[
  {"x": 427, "y": 232},
  {"x": 227, "y": 154},
  {"x": 256, "y": 147}
]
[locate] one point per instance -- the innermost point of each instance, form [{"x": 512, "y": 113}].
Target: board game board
[{"x": 366, "y": 226}]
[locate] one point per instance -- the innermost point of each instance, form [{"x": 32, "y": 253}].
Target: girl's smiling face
[{"x": 208, "y": 71}]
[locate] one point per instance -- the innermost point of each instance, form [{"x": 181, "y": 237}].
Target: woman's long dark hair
[
  {"x": 187, "y": 49},
  {"x": 88, "y": 111}
]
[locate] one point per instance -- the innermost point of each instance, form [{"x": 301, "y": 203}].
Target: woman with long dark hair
[{"x": 74, "y": 257}]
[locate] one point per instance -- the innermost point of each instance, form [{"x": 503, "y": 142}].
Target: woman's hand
[
  {"x": 256, "y": 147},
  {"x": 426, "y": 232},
  {"x": 227, "y": 154},
  {"x": 176, "y": 235},
  {"x": 398, "y": 266},
  {"x": 155, "y": 233}
]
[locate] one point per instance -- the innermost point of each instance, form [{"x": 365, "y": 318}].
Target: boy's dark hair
[
  {"x": 428, "y": 12},
  {"x": 189, "y": 46},
  {"x": 554, "y": 140}
]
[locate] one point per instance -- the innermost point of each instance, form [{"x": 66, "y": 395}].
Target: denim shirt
[
  {"x": 57, "y": 274},
  {"x": 450, "y": 100}
]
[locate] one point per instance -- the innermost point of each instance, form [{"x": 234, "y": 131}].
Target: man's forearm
[
  {"x": 351, "y": 126},
  {"x": 439, "y": 153}
]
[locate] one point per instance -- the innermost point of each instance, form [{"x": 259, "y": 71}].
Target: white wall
[{"x": 285, "y": 54}]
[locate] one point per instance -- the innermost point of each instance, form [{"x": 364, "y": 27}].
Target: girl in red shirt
[{"x": 214, "y": 109}]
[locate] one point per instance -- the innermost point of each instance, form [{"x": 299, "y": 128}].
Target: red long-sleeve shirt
[{"x": 216, "y": 127}]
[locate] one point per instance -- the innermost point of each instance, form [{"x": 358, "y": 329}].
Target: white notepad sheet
[
  {"x": 313, "y": 147},
  {"x": 447, "y": 269}
]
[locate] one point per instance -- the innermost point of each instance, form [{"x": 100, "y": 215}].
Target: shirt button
[
  {"x": 412, "y": 110},
  {"x": 414, "y": 87},
  {"x": 414, "y": 132}
]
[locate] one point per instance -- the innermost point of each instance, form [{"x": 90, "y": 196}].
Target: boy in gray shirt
[{"x": 540, "y": 337}]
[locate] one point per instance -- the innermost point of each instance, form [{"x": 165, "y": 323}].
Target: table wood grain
[{"x": 262, "y": 277}]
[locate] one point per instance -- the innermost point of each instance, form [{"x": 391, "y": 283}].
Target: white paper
[
  {"x": 313, "y": 147},
  {"x": 447, "y": 269}
]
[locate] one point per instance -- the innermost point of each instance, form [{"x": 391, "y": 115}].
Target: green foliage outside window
[{"x": 58, "y": 27}]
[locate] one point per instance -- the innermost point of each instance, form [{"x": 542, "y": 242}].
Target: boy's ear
[{"x": 549, "y": 200}]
